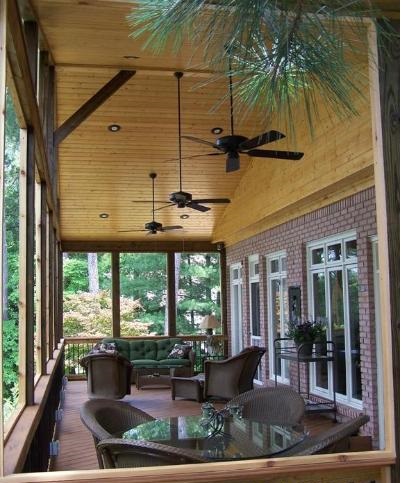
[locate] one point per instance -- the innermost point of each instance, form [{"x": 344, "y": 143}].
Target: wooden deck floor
[{"x": 77, "y": 451}]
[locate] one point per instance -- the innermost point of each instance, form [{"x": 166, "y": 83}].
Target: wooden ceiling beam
[
  {"x": 142, "y": 247},
  {"x": 91, "y": 105}
]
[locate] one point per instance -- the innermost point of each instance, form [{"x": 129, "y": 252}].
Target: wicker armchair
[
  {"x": 123, "y": 453},
  {"x": 278, "y": 405},
  {"x": 105, "y": 418},
  {"x": 230, "y": 377},
  {"x": 334, "y": 440},
  {"x": 108, "y": 375}
]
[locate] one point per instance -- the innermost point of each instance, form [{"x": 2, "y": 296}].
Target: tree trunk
[{"x": 93, "y": 276}]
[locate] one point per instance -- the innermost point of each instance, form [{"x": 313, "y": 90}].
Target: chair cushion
[{"x": 164, "y": 347}]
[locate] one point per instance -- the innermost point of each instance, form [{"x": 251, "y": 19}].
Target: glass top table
[{"x": 239, "y": 438}]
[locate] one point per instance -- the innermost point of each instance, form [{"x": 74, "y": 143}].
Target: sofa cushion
[
  {"x": 142, "y": 349},
  {"x": 164, "y": 347}
]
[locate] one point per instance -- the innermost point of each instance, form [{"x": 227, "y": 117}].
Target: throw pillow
[
  {"x": 108, "y": 347},
  {"x": 180, "y": 351}
]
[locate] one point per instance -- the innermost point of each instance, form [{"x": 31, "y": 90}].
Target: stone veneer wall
[{"x": 356, "y": 212}]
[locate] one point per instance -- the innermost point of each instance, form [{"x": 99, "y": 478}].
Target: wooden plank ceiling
[{"x": 103, "y": 172}]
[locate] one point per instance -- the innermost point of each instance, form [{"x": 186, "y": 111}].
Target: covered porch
[{"x": 107, "y": 161}]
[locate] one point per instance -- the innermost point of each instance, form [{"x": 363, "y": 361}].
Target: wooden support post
[
  {"x": 51, "y": 286},
  {"x": 171, "y": 294},
  {"x": 116, "y": 294},
  {"x": 224, "y": 321},
  {"x": 43, "y": 277},
  {"x": 31, "y": 37},
  {"x": 3, "y": 62},
  {"x": 60, "y": 286},
  {"x": 30, "y": 267}
]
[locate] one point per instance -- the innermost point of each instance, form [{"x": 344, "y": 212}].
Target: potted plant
[{"x": 305, "y": 334}]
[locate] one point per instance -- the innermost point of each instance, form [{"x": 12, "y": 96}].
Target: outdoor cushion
[
  {"x": 180, "y": 351},
  {"x": 122, "y": 346},
  {"x": 142, "y": 349},
  {"x": 164, "y": 347}
]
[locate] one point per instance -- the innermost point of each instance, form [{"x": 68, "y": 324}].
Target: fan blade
[
  {"x": 265, "y": 138},
  {"x": 194, "y": 156},
  {"x": 195, "y": 206},
  {"x": 212, "y": 200},
  {"x": 166, "y": 206},
  {"x": 232, "y": 162},
  {"x": 170, "y": 228},
  {"x": 202, "y": 141},
  {"x": 265, "y": 153}
]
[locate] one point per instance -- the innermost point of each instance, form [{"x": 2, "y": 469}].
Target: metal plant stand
[{"x": 308, "y": 353}]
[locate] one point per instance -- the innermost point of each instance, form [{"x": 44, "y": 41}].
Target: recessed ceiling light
[
  {"x": 114, "y": 127},
  {"x": 184, "y": 217},
  {"x": 103, "y": 215},
  {"x": 216, "y": 130}
]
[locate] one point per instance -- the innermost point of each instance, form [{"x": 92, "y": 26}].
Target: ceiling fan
[
  {"x": 234, "y": 145},
  {"x": 153, "y": 227},
  {"x": 181, "y": 198}
]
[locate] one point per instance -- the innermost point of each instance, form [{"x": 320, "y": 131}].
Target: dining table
[{"x": 236, "y": 437}]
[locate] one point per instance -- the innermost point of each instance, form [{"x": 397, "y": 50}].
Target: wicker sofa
[{"x": 153, "y": 353}]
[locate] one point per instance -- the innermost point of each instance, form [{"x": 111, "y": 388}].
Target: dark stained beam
[
  {"x": 115, "y": 294},
  {"x": 31, "y": 36},
  {"x": 139, "y": 247},
  {"x": 91, "y": 105}
]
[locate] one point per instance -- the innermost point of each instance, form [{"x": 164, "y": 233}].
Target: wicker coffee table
[{"x": 154, "y": 376}]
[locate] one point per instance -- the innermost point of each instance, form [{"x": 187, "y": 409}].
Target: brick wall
[{"x": 357, "y": 213}]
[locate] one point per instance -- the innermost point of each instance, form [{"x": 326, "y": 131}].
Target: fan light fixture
[
  {"x": 103, "y": 215},
  {"x": 114, "y": 127},
  {"x": 184, "y": 217}
]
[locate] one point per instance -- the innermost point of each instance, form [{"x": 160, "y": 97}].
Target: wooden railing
[{"x": 78, "y": 347}]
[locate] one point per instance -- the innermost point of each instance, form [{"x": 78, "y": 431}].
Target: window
[
  {"x": 333, "y": 297},
  {"x": 278, "y": 310},
  {"x": 254, "y": 294},
  {"x": 236, "y": 283}
]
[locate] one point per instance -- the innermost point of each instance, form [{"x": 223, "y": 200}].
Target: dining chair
[
  {"x": 105, "y": 418},
  {"x": 108, "y": 375},
  {"x": 123, "y": 453},
  {"x": 278, "y": 405},
  {"x": 334, "y": 440}
]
